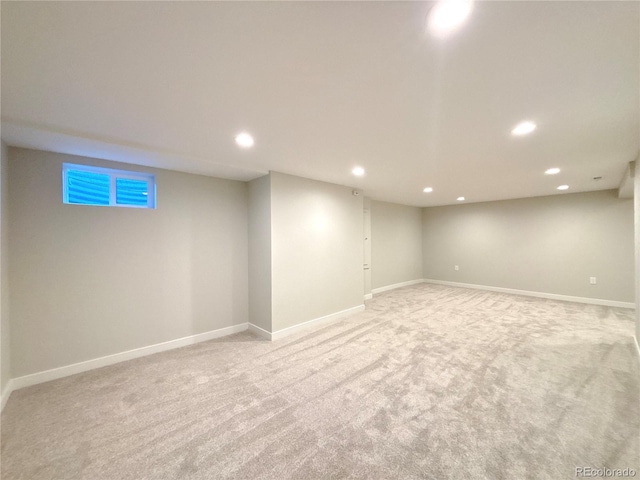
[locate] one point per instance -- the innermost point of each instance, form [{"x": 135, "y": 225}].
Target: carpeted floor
[{"x": 429, "y": 382}]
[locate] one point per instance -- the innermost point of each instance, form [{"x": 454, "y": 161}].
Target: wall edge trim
[
  {"x": 396, "y": 285},
  {"x": 261, "y": 332},
  {"x": 285, "y": 332},
  {"x": 6, "y": 393},
  {"x": 87, "y": 365},
  {"x": 527, "y": 293}
]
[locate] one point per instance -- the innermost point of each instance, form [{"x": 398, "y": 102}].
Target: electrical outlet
[
  {"x": 592, "y": 280},
  {"x": 456, "y": 267}
]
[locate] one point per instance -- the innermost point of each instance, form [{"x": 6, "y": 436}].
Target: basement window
[{"x": 85, "y": 185}]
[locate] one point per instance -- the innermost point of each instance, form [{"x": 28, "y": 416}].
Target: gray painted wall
[
  {"x": 317, "y": 249},
  {"x": 396, "y": 243},
  {"x": 260, "y": 252},
  {"x": 93, "y": 281},
  {"x": 5, "y": 327},
  {"x": 544, "y": 244}
]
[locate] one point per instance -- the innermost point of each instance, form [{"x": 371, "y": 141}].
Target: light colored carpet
[{"x": 429, "y": 382}]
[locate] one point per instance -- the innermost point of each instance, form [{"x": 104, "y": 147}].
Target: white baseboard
[
  {"x": 552, "y": 296},
  {"x": 368, "y": 296},
  {"x": 396, "y": 285},
  {"x": 5, "y": 394},
  {"x": 55, "y": 373},
  {"x": 261, "y": 332},
  {"x": 315, "y": 322},
  {"x": 285, "y": 332}
]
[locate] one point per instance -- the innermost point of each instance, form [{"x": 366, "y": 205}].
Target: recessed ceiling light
[
  {"x": 563, "y": 187},
  {"x": 448, "y": 15},
  {"x": 460, "y": 199},
  {"x": 428, "y": 190},
  {"x": 358, "y": 171},
  {"x": 552, "y": 171},
  {"x": 523, "y": 128},
  {"x": 244, "y": 140}
]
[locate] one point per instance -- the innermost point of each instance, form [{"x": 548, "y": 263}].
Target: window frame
[{"x": 113, "y": 174}]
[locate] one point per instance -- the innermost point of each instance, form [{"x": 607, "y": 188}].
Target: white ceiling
[{"x": 327, "y": 86}]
